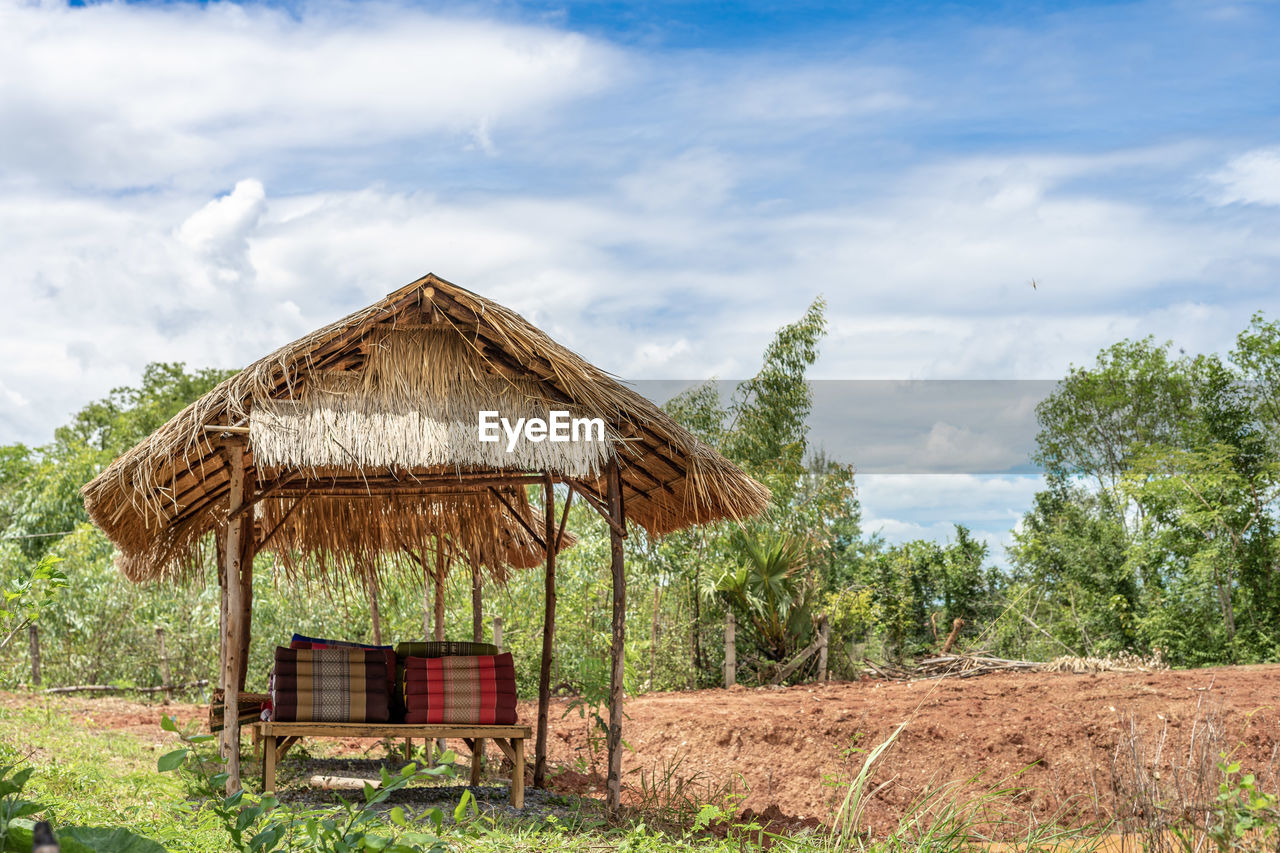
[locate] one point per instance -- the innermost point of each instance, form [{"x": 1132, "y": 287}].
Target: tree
[
  {"x": 767, "y": 429},
  {"x": 44, "y": 499},
  {"x": 1208, "y": 518},
  {"x": 770, "y": 590},
  {"x": 1071, "y": 558},
  {"x": 1172, "y": 544},
  {"x": 1135, "y": 395}
]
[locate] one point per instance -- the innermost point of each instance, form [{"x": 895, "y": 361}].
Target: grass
[
  {"x": 108, "y": 778},
  {"x": 101, "y": 778}
]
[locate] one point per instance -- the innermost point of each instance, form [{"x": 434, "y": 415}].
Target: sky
[{"x": 658, "y": 185}]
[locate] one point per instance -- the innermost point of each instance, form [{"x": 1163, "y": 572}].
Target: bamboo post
[
  {"x": 375, "y": 617},
  {"x": 617, "y": 647},
  {"x": 653, "y": 641},
  {"x": 233, "y": 555},
  {"x": 248, "y": 550},
  {"x": 824, "y": 639},
  {"x": 730, "y": 651},
  {"x": 33, "y": 634},
  {"x": 221, "y": 551},
  {"x": 497, "y": 632},
  {"x": 477, "y": 605},
  {"x": 426, "y": 597},
  {"x": 164, "y": 666},
  {"x": 442, "y": 569},
  {"x": 477, "y": 636},
  {"x": 548, "y": 636}
]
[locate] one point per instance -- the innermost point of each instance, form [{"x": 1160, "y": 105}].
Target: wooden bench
[{"x": 277, "y": 737}]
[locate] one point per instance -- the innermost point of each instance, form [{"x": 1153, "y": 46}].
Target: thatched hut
[{"x": 342, "y": 450}]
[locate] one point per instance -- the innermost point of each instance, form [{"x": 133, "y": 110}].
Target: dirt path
[{"x": 785, "y": 748}]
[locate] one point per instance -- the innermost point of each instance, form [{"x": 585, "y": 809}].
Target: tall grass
[{"x": 955, "y": 815}]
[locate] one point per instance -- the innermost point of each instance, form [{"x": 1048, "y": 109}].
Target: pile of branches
[
  {"x": 1122, "y": 662},
  {"x": 958, "y": 665},
  {"x": 970, "y": 664}
]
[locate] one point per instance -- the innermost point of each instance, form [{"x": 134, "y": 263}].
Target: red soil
[{"x": 785, "y": 748}]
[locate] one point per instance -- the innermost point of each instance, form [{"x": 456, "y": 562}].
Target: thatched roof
[{"x": 379, "y": 410}]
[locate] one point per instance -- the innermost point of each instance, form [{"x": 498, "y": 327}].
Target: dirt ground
[
  {"x": 1069, "y": 739},
  {"x": 1058, "y": 732}
]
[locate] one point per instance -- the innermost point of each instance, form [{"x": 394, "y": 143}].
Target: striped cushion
[
  {"x": 331, "y": 685},
  {"x": 475, "y": 689}
]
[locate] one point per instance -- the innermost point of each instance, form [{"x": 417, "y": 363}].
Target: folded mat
[
  {"x": 443, "y": 648},
  {"x": 430, "y": 649},
  {"x": 476, "y": 689},
  {"x": 388, "y": 652},
  {"x": 411, "y": 690},
  {"x": 502, "y": 666},
  {"x": 331, "y": 685}
]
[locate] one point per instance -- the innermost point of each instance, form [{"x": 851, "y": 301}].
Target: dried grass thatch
[{"x": 361, "y": 440}]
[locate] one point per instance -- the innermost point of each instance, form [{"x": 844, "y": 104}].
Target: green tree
[
  {"x": 1207, "y": 519},
  {"x": 1135, "y": 394},
  {"x": 45, "y": 501},
  {"x": 771, "y": 592},
  {"x": 1071, "y": 559}
]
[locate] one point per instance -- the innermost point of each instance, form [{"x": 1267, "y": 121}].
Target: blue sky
[{"x": 659, "y": 185}]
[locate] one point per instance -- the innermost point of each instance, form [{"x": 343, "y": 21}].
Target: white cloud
[
  {"x": 666, "y": 257},
  {"x": 903, "y": 507},
  {"x": 120, "y": 94},
  {"x": 219, "y": 231},
  {"x": 1251, "y": 178},
  {"x": 695, "y": 179},
  {"x": 926, "y": 281}
]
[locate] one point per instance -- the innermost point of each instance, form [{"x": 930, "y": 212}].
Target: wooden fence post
[
  {"x": 164, "y": 666},
  {"x": 497, "y": 632},
  {"x": 730, "y": 652},
  {"x": 33, "y": 633},
  {"x": 824, "y": 639}
]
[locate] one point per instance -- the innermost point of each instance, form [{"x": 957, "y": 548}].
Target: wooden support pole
[
  {"x": 477, "y": 604},
  {"x": 477, "y": 760},
  {"x": 427, "y": 609},
  {"x": 730, "y": 651},
  {"x": 617, "y": 648},
  {"x": 375, "y": 616},
  {"x": 269, "y": 758},
  {"x": 824, "y": 640},
  {"x": 517, "y": 774},
  {"x": 33, "y": 635},
  {"x": 248, "y": 550},
  {"x": 164, "y": 666},
  {"x": 497, "y": 632},
  {"x": 548, "y": 637},
  {"x": 220, "y": 549},
  {"x": 653, "y": 638},
  {"x": 442, "y": 570},
  {"x": 233, "y": 555}
]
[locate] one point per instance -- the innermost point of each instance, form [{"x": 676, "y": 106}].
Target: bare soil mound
[{"x": 1074, "y": 742}]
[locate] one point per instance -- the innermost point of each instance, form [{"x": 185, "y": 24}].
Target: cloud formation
[
  {"x": 203, "y": 182},
  {"x": 130, "y": 94}
]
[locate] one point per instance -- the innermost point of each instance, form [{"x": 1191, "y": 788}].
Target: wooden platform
[{"x": 277, "y": 737}]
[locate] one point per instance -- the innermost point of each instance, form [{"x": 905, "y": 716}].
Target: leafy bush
[{"x": 263, "y": 824}]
